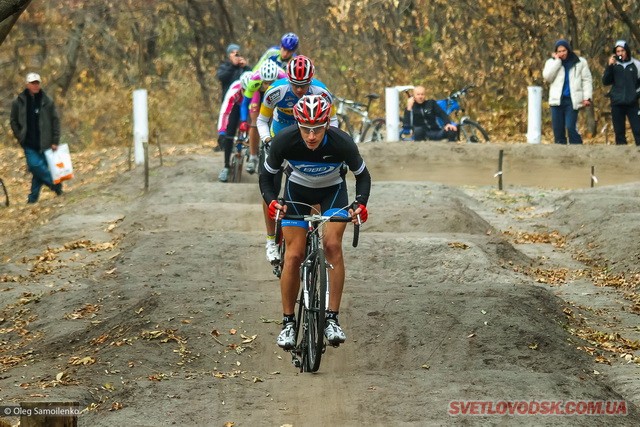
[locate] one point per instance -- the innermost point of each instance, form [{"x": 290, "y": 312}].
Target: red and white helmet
[
  {"x": 312, "y": 110},
  {"x": 300, "y": 70}
]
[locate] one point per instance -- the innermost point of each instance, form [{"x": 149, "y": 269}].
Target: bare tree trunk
[
  {"x": 635, "y": 30},
  {"x": 10, "y": 11},
  {"x": 573, "y": 24},
  {"x": 73, "y": 51},
  {"x": 192, "y": 13}
]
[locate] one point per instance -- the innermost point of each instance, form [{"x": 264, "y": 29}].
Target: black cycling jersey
[{"x": 317, "y": 168}]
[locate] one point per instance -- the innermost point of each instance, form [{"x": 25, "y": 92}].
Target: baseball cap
[{"x": 33, "y": 77}]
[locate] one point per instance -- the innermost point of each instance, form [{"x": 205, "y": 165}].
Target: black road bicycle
[{"x": 314, "y": 290}]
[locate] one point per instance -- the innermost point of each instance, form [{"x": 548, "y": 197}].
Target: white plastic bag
[{"x": 59, "y": 163}]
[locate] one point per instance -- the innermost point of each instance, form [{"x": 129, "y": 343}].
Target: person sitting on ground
[{"x": 420, "y": 118}]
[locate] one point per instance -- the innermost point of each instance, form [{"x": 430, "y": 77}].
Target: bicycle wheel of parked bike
[
  {"x": 4, "y": 192},
  {"x": 376, "y": 131},
  {"x": 471, "y": 131},
  {"x": 314, "y": 315}
]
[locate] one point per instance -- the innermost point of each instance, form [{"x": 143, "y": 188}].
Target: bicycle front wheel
[
  {"x": 236, "y": 168},
  {"x": 376, "y": 131},
  {"x": 315, "y": 314},
  {"x": 471, "y": 131}
]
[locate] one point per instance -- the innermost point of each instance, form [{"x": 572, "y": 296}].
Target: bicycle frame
[
  {"x": 313, "y": 299},
  {"x": 451, "y": 104}
]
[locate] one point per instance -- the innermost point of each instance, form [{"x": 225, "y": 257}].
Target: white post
[
  {"x": 534, "y": 124},
  {"x": 392, "y": 111},
  {"x": 140, "y": 124}
]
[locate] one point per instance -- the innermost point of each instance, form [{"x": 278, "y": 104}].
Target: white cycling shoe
[
  {"x": 251, "y": 165},
  {"x": 287, "y": 337},
  {"x": 224, "y": 175},
  {"x": 334, "y": 333},
  {"x": 273, "y": 254}
]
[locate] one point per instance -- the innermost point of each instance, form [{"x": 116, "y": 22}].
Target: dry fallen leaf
[
  {"x": 246, "y": 339},
  {"x": 88, "y": 360}
]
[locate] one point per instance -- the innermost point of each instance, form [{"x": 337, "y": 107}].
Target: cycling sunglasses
[{"x": 309, "y": 129}]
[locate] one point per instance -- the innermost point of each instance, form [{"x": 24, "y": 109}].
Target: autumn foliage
[{"x": 93, "y": 54}]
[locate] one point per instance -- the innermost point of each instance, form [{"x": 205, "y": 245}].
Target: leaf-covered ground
[{"x": 158, "y": 307}]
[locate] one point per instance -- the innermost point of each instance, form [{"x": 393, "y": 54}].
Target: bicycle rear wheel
[
  {"x": 471, "y": 131},
  {"x": 376, "y": 131},
  {"x": 315, "y": 315}
]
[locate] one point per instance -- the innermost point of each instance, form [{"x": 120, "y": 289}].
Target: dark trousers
[
  {"x": 564, "y": 118},
  {"x": 422, "y": 134},
  {"x": 618, "y": 115},
  {"x": 232, "y": 127}
]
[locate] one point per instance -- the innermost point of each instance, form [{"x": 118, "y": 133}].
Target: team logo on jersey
[
  {"x": 273, "y": 97},
  {"x": 315, "y": 168}
]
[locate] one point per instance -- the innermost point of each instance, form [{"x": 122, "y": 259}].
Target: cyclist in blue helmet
[
  {"x": 289, "y": 41},
  {"x": 282, "y": 54}
]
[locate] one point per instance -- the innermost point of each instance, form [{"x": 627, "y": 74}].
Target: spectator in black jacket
[
  {"x": 36, "y": 126},
  {"x": 230, "y": 70},
  {"x": 623, "y": 75},
  {"x": 421, "y": 116}
]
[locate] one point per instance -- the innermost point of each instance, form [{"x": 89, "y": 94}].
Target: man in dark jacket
[
  {"x": 36, "y": 126},
  {"x": 230, "y": 70},
  {"x": 623, "y": 74},
  {"x": 421, "y": 117}
]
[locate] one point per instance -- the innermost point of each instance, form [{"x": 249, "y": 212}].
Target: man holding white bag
[{"x": 36, "y": 126}]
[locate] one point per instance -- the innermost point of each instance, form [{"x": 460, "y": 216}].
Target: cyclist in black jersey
[{"x": 316, "y": 155}]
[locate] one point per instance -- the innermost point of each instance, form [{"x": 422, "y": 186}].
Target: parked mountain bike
[
  {"x": 469, "y": 130},
  {"x": 314, "y": 290},
  {"x": 368, "y": 130},
  {"x": 238, "y": 156},
  {"x": 4, "y": 192}
]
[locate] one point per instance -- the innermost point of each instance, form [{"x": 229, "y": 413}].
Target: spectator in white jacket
[{"x": 571, "y": 89}]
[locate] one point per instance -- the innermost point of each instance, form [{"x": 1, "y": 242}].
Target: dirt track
[{"x": 169, "y": 296}]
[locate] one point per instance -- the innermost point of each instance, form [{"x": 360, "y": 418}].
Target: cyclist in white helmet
[{"x": 250, "y": 108}]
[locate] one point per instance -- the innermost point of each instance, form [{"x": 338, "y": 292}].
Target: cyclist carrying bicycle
[
  {"x": 276, "y": 113},
  {"x": 316, "y": 154}
]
